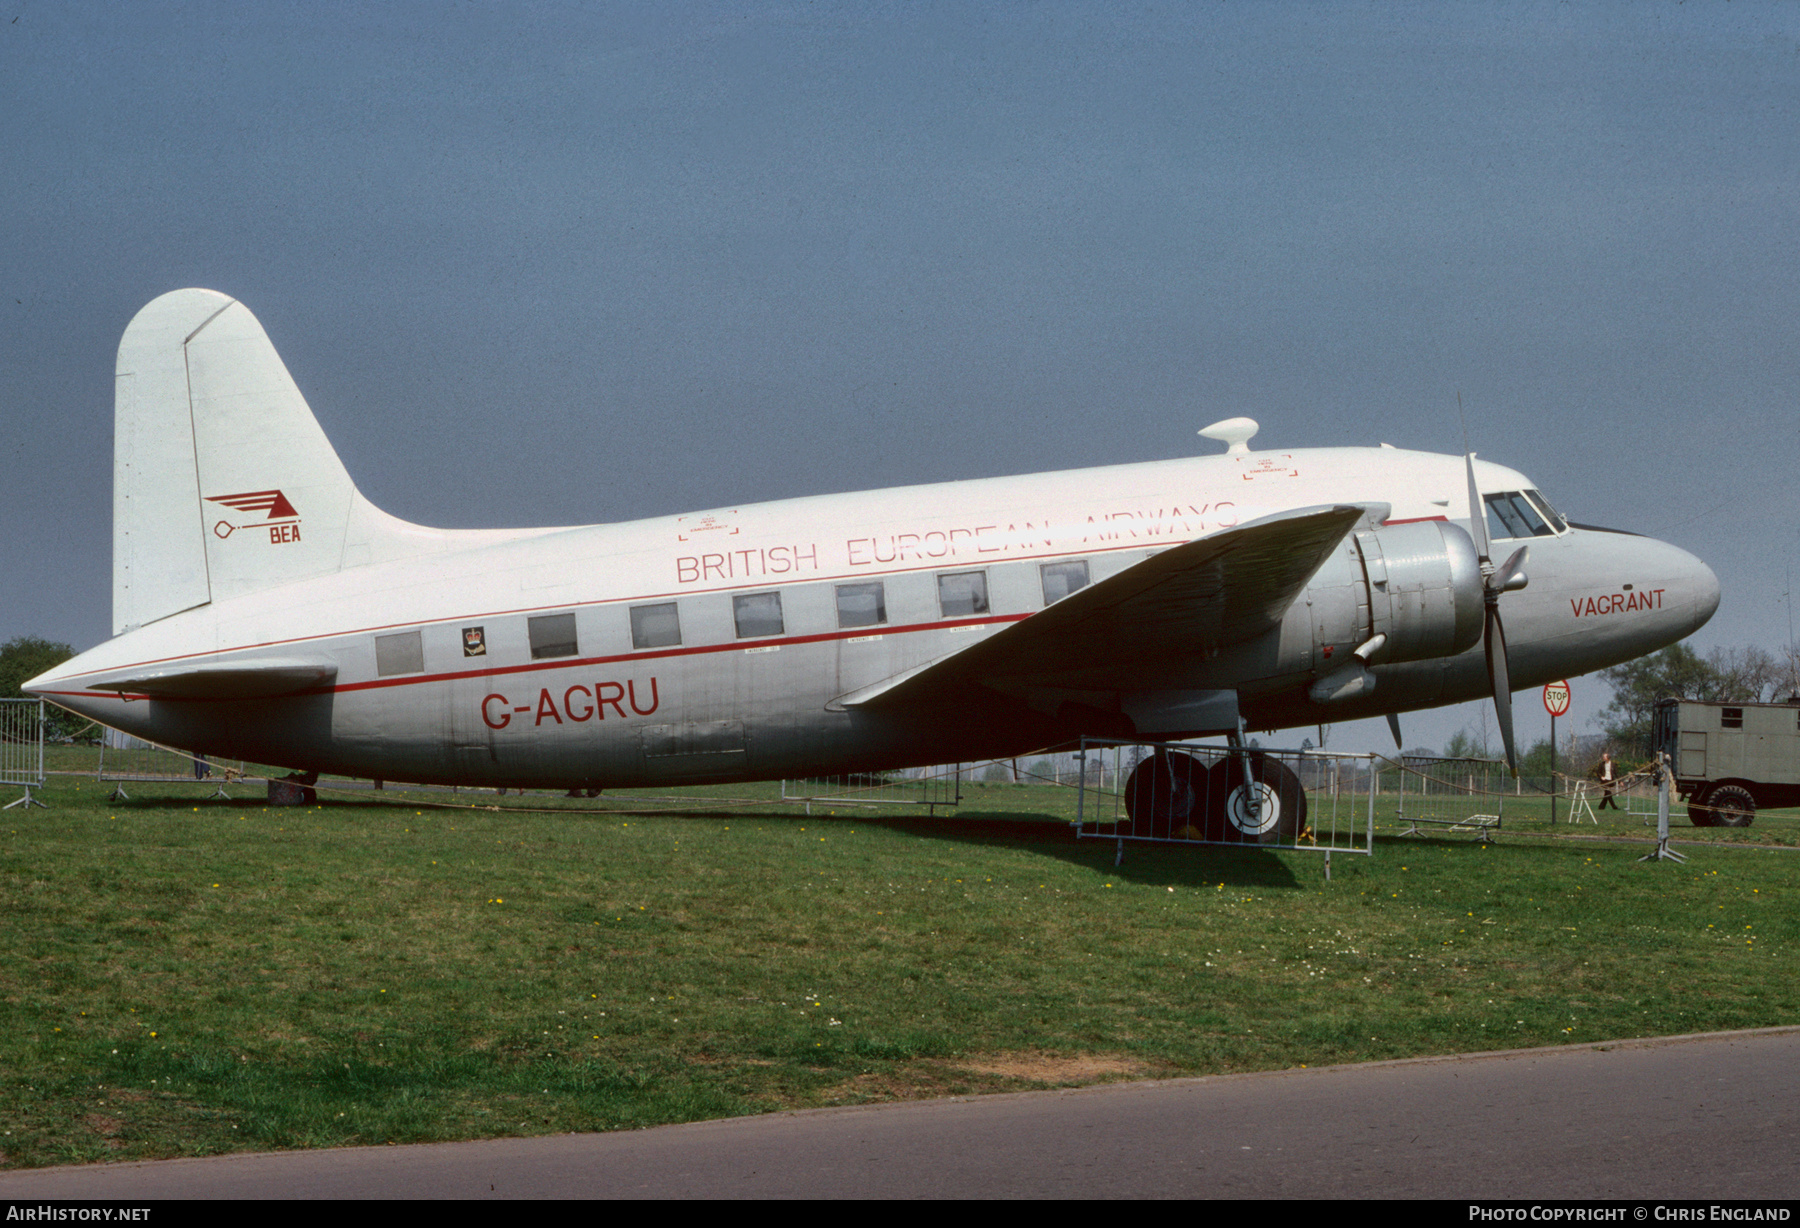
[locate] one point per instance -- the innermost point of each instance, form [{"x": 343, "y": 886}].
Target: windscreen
[{"x": 1511, "y": 514}]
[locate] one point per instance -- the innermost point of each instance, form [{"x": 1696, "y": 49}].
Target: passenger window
[
  {"x": 962, "y": 593},
  {"x": 1061, "y": 579},
  {"x": 552, "y": 635},
  {"x": 861, "y": 605},
  {"x": 757, "y": 614},
  {"x": 399, "y": 654},
  {"x": 655, "y": 626}
]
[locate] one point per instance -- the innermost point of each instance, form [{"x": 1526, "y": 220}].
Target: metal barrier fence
[
  {"x": 22, "y": 748},
  {"x": 1639, "y": 791},
  {"x": 1182, "y": 793},
  {"x": 145, "y": 762},
  {"x": 931, "y": 787},
  {"x": 1456, "y": 794}
]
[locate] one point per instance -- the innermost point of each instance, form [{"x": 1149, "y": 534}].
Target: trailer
[{"x": 1731, "y": 758}]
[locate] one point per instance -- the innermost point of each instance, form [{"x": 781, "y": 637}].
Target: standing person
[{"x": 1608, "y": 775}]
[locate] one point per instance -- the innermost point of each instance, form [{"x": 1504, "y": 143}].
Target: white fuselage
[{"x": 748, "y": 689}]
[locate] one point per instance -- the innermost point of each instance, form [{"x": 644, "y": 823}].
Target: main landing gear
[{"x": 1247, "y": 797}]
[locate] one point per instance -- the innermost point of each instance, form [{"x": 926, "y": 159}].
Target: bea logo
[{"x": 282, "y": 521}]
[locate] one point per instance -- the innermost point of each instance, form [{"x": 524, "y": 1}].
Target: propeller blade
[
  {"x": 1497, "y": 674},
  {"x": 1478, "y": 516},
  {"x": 1394, "y": 726},
  {"x": 1510, "y": 576}
]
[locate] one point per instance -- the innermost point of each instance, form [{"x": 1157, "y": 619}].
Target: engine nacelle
[
  {"x": 1425, "y": 593},
  {"x": 1416, "y": 584}
]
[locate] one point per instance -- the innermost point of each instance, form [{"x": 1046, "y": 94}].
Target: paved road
[{"x": 1684, "y": 1117}]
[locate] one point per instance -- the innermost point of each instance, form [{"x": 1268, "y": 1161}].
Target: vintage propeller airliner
[{"x": 264, "y": 610}]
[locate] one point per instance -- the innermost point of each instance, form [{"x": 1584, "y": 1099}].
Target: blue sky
[{"x": 575, "y": 263}]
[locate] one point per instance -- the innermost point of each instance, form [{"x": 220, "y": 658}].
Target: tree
[
  {"x": 24, "y": 658},
  {"x": 1750, "y": 674},
  {"x": 1463, "y": 745},
  {"x": 1787, "y": 668},
  {"x": 1536, "y": 761},
  {"x": 1677, "y": 672}
]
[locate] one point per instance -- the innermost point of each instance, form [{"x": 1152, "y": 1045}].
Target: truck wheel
[
  {"x": 1731, "y": 806},
  {"x": 1699, "y": 813}
]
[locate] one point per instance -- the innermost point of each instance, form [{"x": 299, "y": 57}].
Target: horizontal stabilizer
[
  {"x": 1191, "y": 600},
  {"x": 253, "y": 679}
]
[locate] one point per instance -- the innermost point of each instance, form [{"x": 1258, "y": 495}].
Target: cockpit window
[
  {"x": 1511, "y": 514},
  {"x": 1551, "y": 514}
]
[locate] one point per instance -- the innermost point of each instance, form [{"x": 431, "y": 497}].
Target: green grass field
[{"x": 185, "y": 975}]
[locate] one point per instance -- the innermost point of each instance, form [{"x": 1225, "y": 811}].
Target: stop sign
[{"x": 1556, "y": 698}]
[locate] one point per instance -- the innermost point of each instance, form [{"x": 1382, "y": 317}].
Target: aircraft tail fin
[{"x": 223, "y": 482}]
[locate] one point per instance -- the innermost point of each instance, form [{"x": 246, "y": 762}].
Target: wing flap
[{"x": 1199, "y": 597}]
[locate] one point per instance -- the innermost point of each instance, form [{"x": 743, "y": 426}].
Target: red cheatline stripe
[{"x": 578, "y": 662}]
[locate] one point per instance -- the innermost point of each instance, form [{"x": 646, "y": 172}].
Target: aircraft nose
[
  {"x": 1610, "y": 596},
  {"x": 1692, "y": 587},
  {"x": 1705, "y": 583}
]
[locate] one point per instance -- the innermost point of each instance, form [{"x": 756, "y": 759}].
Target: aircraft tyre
[
  {"x": 1164, "y": 795},
  {"x": 1281, "y": 816},
  {"x": 292, "y": 791},
  {"x": 1731, "y": 806}
]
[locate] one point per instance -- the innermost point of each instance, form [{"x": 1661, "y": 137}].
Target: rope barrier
[{"x": 1642, "y": 775}]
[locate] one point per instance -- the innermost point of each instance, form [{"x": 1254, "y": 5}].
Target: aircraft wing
[
  {"x": 1193, "y": 599},
  {"x": 242, "y": 679}
]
